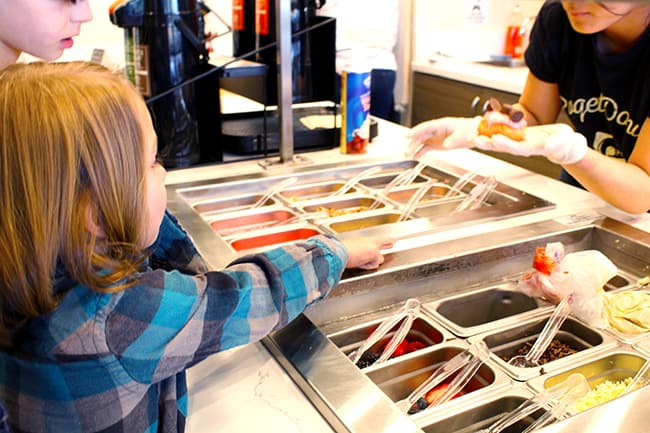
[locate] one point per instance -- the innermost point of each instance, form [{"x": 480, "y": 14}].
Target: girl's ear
[{"x": 92, "y": 225}]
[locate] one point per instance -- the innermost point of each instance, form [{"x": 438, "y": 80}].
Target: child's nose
[{"x": 81, "y": 11}]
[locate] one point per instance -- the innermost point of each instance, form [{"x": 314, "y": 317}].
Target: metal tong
[
  {"x": 556, "y": 400},
  {"x": 406, "y": 315},
  {"x": 468, "y": 362}
]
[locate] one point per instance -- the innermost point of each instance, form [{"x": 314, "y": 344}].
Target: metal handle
[{"x": 475, "y": 103}]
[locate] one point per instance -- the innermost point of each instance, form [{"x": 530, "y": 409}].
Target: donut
[{"x": 502, "y": 119}]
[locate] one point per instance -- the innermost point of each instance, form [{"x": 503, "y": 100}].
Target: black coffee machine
[
  {"x": 165, "y": 50},
  {"x": 167, "y": 59},
  {"x": 312, "y": 51},
  {"x": 313, "y": 54}
]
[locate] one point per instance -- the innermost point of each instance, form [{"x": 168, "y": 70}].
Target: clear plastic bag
[{"x": 582, "y": 275}]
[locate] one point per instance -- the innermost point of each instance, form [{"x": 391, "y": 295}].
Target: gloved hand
[
  {"x": 557, "y": 142},
  {"x": 443, "y": 134}
]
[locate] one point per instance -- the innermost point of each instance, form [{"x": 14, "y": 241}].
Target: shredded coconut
[{"x": 606, "y": 391}]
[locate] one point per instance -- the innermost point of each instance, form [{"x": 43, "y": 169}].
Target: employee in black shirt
[{"x": 592, "y": 60}]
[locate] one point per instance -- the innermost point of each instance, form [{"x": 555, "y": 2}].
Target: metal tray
[
  {"x": 484, "y": 309},
  {"x": 261, "y": 240},
  {"x": 397, "y": 378},
  {"x": 480, "y": 415},
  {"x": 423, "y": 330},
  {"x": 348, "y": 204},
  {"x": 210, "y": 207},
  {"x": 433, "y": 274},
  {"x": 573, "y": 333},
  {"x": 209, "y": 200},
  {"x": 628, "y": 338},
  {"x": 311, "y": 191},
  {"x": 618, "y": 363},
  {"x": 235, "y": 223}
]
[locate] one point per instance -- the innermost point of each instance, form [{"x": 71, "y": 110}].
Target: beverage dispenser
[
  {"x": 313, "y": 77},
  {"x": 312, "y": 52},
  {"x": 164, "y": 48},
  {"x": 243, "y": 27}
]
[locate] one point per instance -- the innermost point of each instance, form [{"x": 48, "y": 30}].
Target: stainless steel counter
[
  {"x": 312, "y": 352},
  {"x": 308, "y": 347},
  {"x": 507, "y": 79}
]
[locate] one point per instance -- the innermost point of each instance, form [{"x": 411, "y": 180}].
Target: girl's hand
[{"x": 365, "y": 253}]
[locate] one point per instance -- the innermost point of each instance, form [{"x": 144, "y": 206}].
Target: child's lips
[{"x": 67, "y": 43}]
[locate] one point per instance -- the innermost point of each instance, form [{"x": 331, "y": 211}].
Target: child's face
[
  {"x": 156, "y": 194},
  {"x": 42, "y": 28}
]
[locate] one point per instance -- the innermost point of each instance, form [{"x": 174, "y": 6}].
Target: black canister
[
  {"x": 312, "y": 50},
  {"x": 164, "y": 48},
  {"x": 243, "y": 27}
]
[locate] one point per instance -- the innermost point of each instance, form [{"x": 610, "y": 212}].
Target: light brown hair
[{"x": 71, "y": 157}]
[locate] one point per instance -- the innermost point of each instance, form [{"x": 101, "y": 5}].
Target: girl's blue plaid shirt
[{"x": 116, "y": 362}]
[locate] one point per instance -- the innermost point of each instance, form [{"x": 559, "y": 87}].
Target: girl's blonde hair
[{"x": 71, "y": 184}]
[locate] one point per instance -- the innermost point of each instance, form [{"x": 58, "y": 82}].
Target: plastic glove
[
  {"x": 557, "y": 142},
  {"x": 443, "y": 134}
]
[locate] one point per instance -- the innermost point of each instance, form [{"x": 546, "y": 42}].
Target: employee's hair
[{"x": 71, "y": 185}]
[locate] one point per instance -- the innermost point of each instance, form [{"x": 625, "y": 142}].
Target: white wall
[
  {"x": 440, "y": 25},
  {"x": 101, "y": 33},
  {"x": 437, "y": 25}
]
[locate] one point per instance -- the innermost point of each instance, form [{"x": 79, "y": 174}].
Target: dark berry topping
[
  {"x": 367, "y": 359},
  {"x": 516, "y": 115},
  {"x": 421, "y": 404}
]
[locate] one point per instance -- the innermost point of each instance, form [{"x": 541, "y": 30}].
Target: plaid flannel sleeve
[
  {"x": 173, "y": 249},
  {"x": 172, "y": 320}
]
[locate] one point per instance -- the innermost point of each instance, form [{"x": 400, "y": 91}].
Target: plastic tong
[
  {"x": 545, "y": 337},
  {"x": 639, "y": 379},
  {"x": 468, "y": 362},
  {"x": 406, "y": 315},
  {"x": 273, "y": 190},
  {"x": 556, "y": 400},
  {"x": 478, "y": 195},
  {"x": 408, "y": 176},
  {"x": 415, "y": 199},
  {"x": 355, "y": 179}
]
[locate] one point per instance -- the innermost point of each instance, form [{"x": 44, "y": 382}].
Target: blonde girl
[{"x": 104, "y": 300}]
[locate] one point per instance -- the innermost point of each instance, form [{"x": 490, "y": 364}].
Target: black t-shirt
[{"x": 606, "y": 96}]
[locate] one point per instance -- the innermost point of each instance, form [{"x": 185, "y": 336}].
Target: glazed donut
[{"x": 503, "y": 120}]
